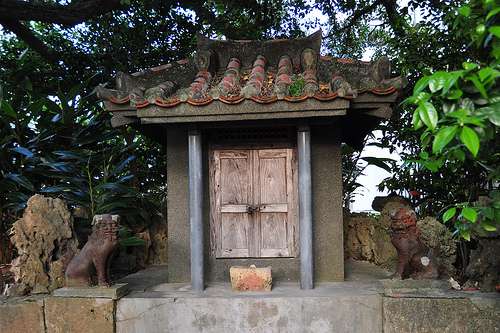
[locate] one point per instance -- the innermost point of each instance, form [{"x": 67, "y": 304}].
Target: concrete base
[
  {"x": 330, "y": 307},
  {"x": 358, "y": 305},
  {"x": 115, "y": 291}
]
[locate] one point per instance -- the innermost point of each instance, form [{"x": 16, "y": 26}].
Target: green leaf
[
  {"x": 20, "y": 180},
  {"x": 449, "y": 214},
  {"x": 416, "y": 122},
  {"x": 470, "y": 214},
  {"x": 479, "y": 86},
  {"x": 425, "y": 139},
  {"x": 494, "y": 117},
  {"x": 492, "y": 13},
  {"x": 428, "y": 114},
  {"x": 122, "y": 165},
  {"x": 443, "y": 137},
  {"x": 480, "y": 29},
  {"x": 486, "y": 72},
  {"x": 459, "y": 114},
  {"x": 379, "y": 162},
  {"x": 450, "y": 80},
  {"x": 421, "y": 97},
  {"x": 495, "y": 30},
  {"x": 421, "y": 84},
  {"x": 455, "y": 94},
  {"x": 23, "y": 151},
  {"x": 7, "y": 109},
  {"x": 432, "y": 165},
  {"x": 469, "y": 66},
  {"x": 465, "y": 234},
  {"x": 132, "y": 241},
  {"x": 488, "y": 226},
  {"x": 437, "y": 81},
  {"x": 423, "y": 155},
  {"x": 459, "y": 155},
  {"x": 464, "y": 11},
  {"x": 470, "y": 140}
]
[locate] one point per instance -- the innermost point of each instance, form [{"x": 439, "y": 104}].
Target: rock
[
  {"x": 5, "y": 248},
  {"x": 251, "y": 278},
  {"x": 484, "y": 265},
  {"x": 21, "y": 315},
  {"x": 379, "y": 203},
  {"x": 158, "y": 249},
  {"x": 67, "y": 315},
  {"x": 6, "y": 277},
  {"x": 45, "y": 243},
  {"x": 437, "y": 237},
  {"x": 368, "y": 240}
]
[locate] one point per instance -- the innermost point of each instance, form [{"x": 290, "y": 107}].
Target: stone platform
[
  {"x": 339, "y": 307},
  {"x": 366, "y": 303}
]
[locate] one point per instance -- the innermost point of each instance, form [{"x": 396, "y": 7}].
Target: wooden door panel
[
  {"x": 274, "y": 208},
  {"x": 253, "y": 203},
  {"x": 275, "y": 197},
  {"x": 234, "y": 231},
  {"x": 273, "y": 228},
  {"x": 235, "y": 180},
  {"x": 231, "y": 190},
  {"x": 272, "y": 177}
]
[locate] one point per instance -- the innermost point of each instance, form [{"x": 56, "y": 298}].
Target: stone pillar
[
  {"x": 305, "y": 208},
  {"x": 196, "y": 209}
]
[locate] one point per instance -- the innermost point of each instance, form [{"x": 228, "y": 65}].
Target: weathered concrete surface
[
  {"x": 441, "y": 315},
  {"x": 21, "y": 315},
  {"x": 75, "y": 315},
  {"x": 177, "y": 210},
  {"x": 364, "y": 271},
  {"x": 115, "y": 291},
  {"x": 326, "y": 168},
  {"x": 174, "y": 308},
  {"x": 327, "y": 214},
  {"x": 146, "y": 279}
]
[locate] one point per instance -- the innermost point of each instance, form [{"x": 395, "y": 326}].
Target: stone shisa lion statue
[
  {"x": 96, "y": 254},
  {"x": 415, "y": 259},
  {"x": 425, "y": 248}
]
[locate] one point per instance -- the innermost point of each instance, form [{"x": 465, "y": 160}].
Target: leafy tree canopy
[{"x": 48, "y": 48}]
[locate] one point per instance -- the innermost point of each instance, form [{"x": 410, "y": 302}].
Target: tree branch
[
  {"x": 359, "y": 14},
  {"x": 26, "y": 35},
  {"x": 76, "y": 12},
  {"x": 395, "y": 20}
]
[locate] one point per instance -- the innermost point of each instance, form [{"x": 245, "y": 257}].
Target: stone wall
[
  {"x": 349, "y": 309},
  {"x": 360, "y": 313},
  {"x": 368, "y": 239},
  {"x": 428, "y": 315},
  {"x": 36, "y": 314}
]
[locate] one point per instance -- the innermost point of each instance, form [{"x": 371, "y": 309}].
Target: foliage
[
  {"x": 296, "y": 88},
  {"x": 458, "y": 115},
  {"x": 64, "y": 146},
  {"x": 420, "y": 36},
  {"x": 354, "y": 165}
]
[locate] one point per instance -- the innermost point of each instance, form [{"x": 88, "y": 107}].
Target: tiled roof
[{"x": 262, "y": 71}]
